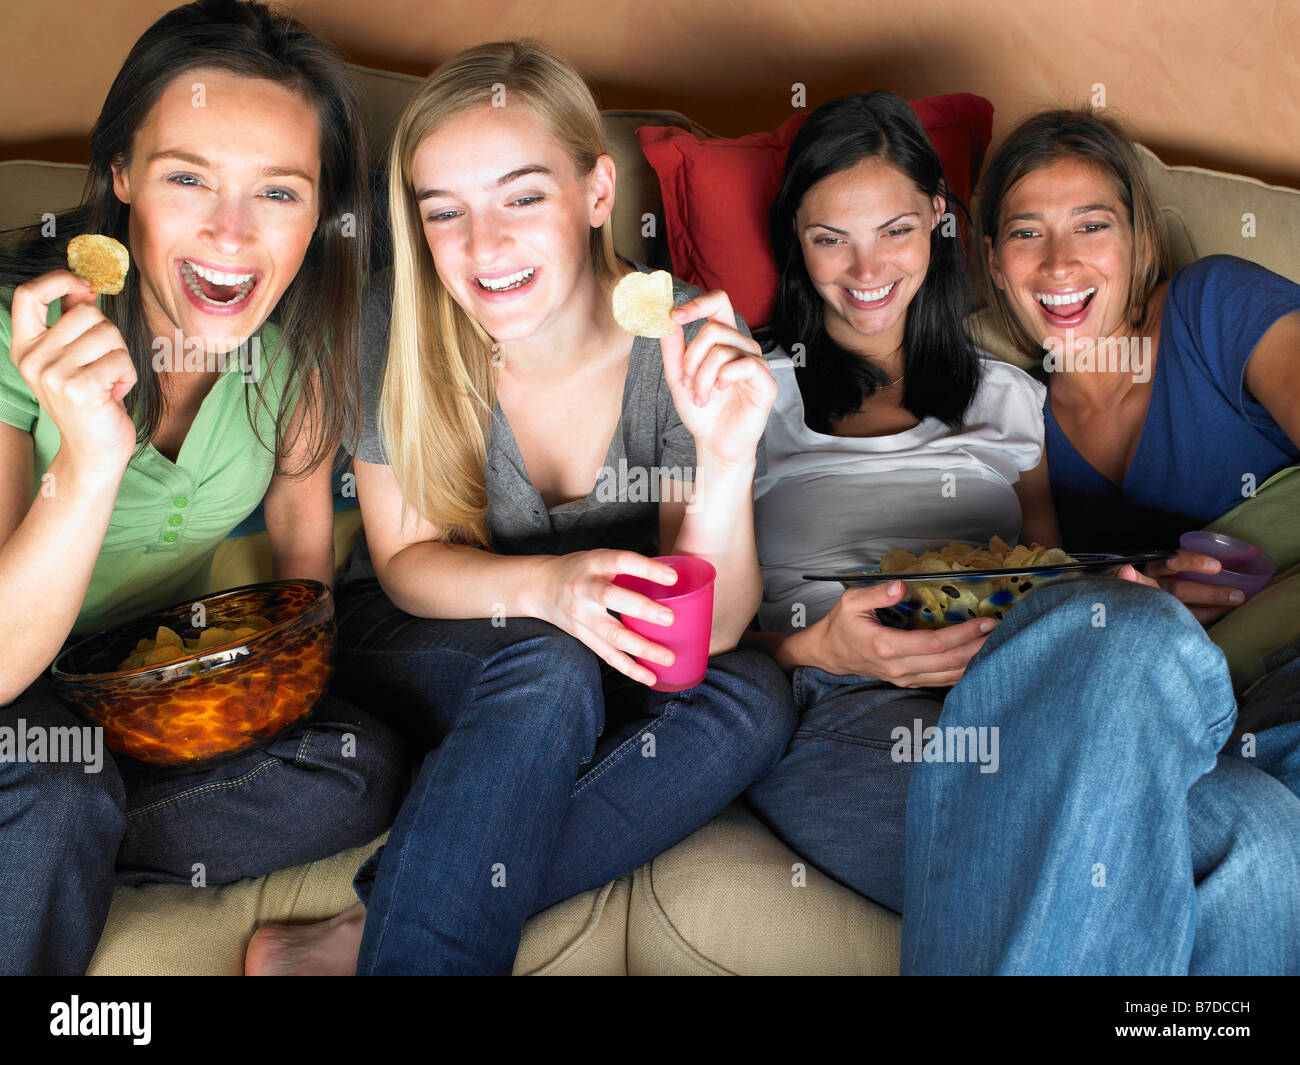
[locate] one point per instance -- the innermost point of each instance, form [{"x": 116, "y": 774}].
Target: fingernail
[
  {"x": 666, "y": 617},
  {"x": 987, "y": 625},
  {"x": 688, "y": 382},
  {"x": 894, "y": 587},
  {"x": 1236, "y": 596},
  {"x": 669, "y": 659},
  {"x": 699, "y": 401}
]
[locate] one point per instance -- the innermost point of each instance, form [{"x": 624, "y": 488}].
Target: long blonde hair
[{"x": 438, "y": 394}]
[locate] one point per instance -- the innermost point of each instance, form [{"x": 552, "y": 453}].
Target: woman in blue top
[
  {"x": 1194, "y": 397},
  {"x": 1104, "y": 842}
]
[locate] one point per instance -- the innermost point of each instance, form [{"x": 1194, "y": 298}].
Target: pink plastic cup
[
  {"x": 1245, "y": 566},
  {"x": 691, "y": 601}
]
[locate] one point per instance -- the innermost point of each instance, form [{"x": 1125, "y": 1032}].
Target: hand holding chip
[
  {"x": 849, "y": 640},
  {"x": 78, "y": 369},
  {"x": 720, "y": 384}
]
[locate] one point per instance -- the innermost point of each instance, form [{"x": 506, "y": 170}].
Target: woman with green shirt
[{"x": 137, "y": 430}]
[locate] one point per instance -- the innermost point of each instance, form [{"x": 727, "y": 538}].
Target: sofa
[{"x": 731, "y": 898}]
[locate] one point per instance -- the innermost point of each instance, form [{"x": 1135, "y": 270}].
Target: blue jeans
[
  {"x": 67, "y": 835},
  {"x": 838, "y": 798},
  {"x": 1049, "y": 680},
  {"x": 548, "y": 773},
  {"x": 1115, "y": 837}
]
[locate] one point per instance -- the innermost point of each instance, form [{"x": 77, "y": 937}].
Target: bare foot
[{"x": 327, "y": 948}]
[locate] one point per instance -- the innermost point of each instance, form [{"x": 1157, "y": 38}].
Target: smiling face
[
  {"x": 865, "y": 235},
  {"x": 508, "y": 218},
  {"x": 1064, "y": 253},
  {"x": 224, "y": 193}
]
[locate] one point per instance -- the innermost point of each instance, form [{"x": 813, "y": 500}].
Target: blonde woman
[{"x": 476, "y": 617}]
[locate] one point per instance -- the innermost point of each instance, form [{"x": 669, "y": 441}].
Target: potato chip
[
  {"x": 931, "y": 598},
  {"x": 167, "y": 638},
  {"x": 958, "y": 556},
  {"x": 642, "y": 303},
  {"x": 167, "y": 645},
  {"x": 1054, "y": 556},
  {"x": 897, "y": 561},
  {"x": 1019, "y": 556},
  {"x": 166, "y": 653},
  {"x": 100, "y": 260},
  {"x": 213, "y": 637}
]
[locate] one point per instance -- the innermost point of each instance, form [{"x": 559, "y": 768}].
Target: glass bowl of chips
[
  {"x": 962, "y": 581},
  {"x": 942, "y": 587},
  {"x": 200, "y": 680}
]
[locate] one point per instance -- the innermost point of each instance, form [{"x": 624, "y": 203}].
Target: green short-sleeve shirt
[{"x": 169, "y": 516}]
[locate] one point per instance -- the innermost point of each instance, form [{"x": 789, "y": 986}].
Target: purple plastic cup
[
  {"x": 1245, "y": 566},
  {"x": 691, "y": 601}
]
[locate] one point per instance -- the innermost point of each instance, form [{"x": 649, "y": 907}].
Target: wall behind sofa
[{"x": 1199, "y": 81}]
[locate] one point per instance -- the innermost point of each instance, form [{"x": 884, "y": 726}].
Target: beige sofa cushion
[
  {"x": 724, "y": 901},
  {"x": 30, "y": 189},
  {"x": 1209, "y": 208},
  {"x": 178, "y": 930}
]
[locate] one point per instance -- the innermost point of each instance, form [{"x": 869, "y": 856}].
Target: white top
[{"x": 831, "y": 503}]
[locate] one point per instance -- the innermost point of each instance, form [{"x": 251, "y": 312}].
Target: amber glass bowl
[{"x": 213, "y": 702}]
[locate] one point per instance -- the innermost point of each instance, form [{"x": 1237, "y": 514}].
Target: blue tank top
[{"x": 1206, "y": 442}]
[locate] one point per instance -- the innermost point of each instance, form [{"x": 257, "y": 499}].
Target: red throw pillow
[{"x": 717, "y": 193}]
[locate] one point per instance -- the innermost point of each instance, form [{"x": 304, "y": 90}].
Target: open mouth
[
  {"x": 1065, "y": 306},
  {"x": 218, "y": 288},
  {"x": 872, "y": 297},
  {"x": 507, "y": 282}
]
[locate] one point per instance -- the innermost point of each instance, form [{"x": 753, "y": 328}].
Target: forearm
[
  {"x": 718, "y": 526},
  {"x": 302, "y": 548},
  {"x": 442, "y": 580},
  {"x": 45, "y": 569}
]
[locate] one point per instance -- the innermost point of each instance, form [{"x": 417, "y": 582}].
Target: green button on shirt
[{"x": 169, "y": 516}]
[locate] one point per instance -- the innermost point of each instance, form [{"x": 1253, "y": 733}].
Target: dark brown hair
[{"x": 941, "y": 365}]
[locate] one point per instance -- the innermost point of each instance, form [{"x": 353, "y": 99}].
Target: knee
[
  {"x": 542, "y": 660},
  {"x": 1104, "y": 611},
  {"x": 755, "y": 706},
  {"x": 1105, "y": 646},
  {"x": 356, "y": 763},
  {"x": 65, "y": 799},
  {"x": 1245, "y": 824},
  {"x": 549, "y": 682}
]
